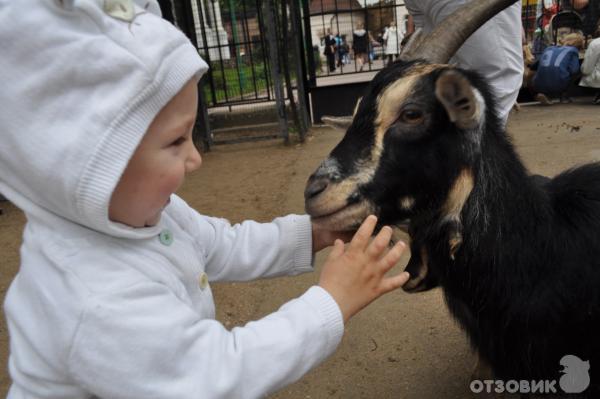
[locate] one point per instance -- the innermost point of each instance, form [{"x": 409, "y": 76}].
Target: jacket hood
[
  {"x": 82, "y": 81},
  {"x": 360, "y": 32}
]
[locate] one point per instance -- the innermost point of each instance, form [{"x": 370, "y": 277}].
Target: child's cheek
[{"x": 172, "y": 181}]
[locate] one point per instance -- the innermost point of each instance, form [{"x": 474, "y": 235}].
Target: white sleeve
[
  {"x": 250, "y": 250},
  {"x": 143, "y": 342},
  {"x": 591, "y": 58},
  {"x": 414, "y": 8}
]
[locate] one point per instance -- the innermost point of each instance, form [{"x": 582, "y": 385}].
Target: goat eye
[{"x": 412, "y": 116}]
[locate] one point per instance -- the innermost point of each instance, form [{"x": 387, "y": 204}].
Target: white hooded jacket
[{"x": 106, "y": 310}]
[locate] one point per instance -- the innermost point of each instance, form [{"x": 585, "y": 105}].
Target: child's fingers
[
  {"x": 391, "y": 283},
  {"x": 393, "y": 256},
  {"x": 338, "y": 249},
  {"x": 380, "y": 242},
  {"x": 363, "y": 234}
]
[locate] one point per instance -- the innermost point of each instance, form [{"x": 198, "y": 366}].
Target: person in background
[
  {"x": 360, "y": 45},
  {"x": 330, "y": 50},
  {"x": 557, "y": 69},
  {"x": 590, "y": 68},
  {"x": 342, "y": 50},
  {"x": 494, "y": 50},
  {"x": 392, "y": 38}
]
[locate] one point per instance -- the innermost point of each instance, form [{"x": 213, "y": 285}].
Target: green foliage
[{"x": 243, "y": 81}]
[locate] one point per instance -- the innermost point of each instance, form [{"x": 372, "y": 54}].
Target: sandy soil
[{"x": 402, "y": 346}]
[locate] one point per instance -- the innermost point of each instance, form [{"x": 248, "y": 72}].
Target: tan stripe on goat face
[
  {"x": 390, "y": 101},
  {"x": 451, "y": 87}
]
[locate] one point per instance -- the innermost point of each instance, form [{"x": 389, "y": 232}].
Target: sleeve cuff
[
  {"x": 329, "y": 311},
  {"x": 303, "y": 255}
]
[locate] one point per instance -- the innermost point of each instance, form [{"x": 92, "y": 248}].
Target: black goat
[{"x": 518, "y": 257}]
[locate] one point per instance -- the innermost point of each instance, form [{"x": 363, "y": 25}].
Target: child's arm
[
  {"x": 145, "y": 341},
  {"x": 251, "y": 250}
]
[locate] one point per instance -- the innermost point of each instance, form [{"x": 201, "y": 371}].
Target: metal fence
[
  {"x": 230, "y": 37},
  {"x": 358, "y": 29},
  {"x": 254, "y": 51}
]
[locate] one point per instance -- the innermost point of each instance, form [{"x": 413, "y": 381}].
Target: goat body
[{"x": 525, "y": 283}]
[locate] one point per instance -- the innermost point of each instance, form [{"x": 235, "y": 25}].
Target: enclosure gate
[
  {"x": 334, "y": 91},
  {"x": 252, "y": 49},
  {"x": 273, "y": 52}
]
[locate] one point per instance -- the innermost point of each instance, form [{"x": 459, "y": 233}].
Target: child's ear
[{"x": 458, "y": 97}]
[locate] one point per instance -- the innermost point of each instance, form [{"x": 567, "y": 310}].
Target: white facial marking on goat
[
  {"x": 458, "y": 195},
  {"x": 407, "y": 203},
  {"x": 330, "y": 167},
  {"x": 474, "y": 135}
]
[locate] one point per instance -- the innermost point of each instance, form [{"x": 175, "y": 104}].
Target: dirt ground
[{"x": 402, "y": 346}]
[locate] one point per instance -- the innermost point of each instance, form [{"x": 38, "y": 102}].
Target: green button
[
  {"x": 166, "y": 237},
  {"x": 203, "y": 281}
]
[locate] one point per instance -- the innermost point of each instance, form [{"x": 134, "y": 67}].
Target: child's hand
[
  {"x": 325, "y": 238},
  {"x": 356, "y": 276}
]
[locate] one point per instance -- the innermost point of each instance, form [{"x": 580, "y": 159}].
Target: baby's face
[{"x": 159, "y": 164}]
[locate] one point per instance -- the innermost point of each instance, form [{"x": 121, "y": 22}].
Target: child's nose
[{"x": 194, "y": 160}]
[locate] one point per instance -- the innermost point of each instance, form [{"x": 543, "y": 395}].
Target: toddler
[{"x": 113, "y": 295}]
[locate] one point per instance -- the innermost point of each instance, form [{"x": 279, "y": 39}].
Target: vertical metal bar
[
  {"x": 190, "y": 14},
  {"x": 369, "y": 45},
  {"x": 213, "y": 18},
  {"x": 353, "y": 29},
  {"x": 300, "y": 68},
  {"x": 312, "y": 77},
  {"x": 275, "y": 69},
  {"x": 285, "y": 57},
  {"x": 240, "y": 72},
  {"x": 324, "y": 38},
  {"x": 202, "y": 125},
  {"x": 249, "y": 47},
  {"x": 337, "y": 25},
  {"x": 263, "y": 46}
]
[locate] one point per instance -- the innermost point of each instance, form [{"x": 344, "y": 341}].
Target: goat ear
[{"x": 458, "y": 97}]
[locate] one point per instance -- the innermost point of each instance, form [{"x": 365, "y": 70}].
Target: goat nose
[{"x": 315, "y": 186}]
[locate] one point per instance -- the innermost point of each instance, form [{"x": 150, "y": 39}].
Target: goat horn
[
  {"x": 337, "y": 122},
  {"x": 441, "y": 44}
]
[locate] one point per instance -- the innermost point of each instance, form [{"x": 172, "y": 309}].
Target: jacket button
[
  {"x": 166, "y": 237},
  {"x": 203, "y": 281}
]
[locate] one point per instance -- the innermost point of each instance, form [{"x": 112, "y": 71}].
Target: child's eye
[{"x": 179, "y": 141}]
